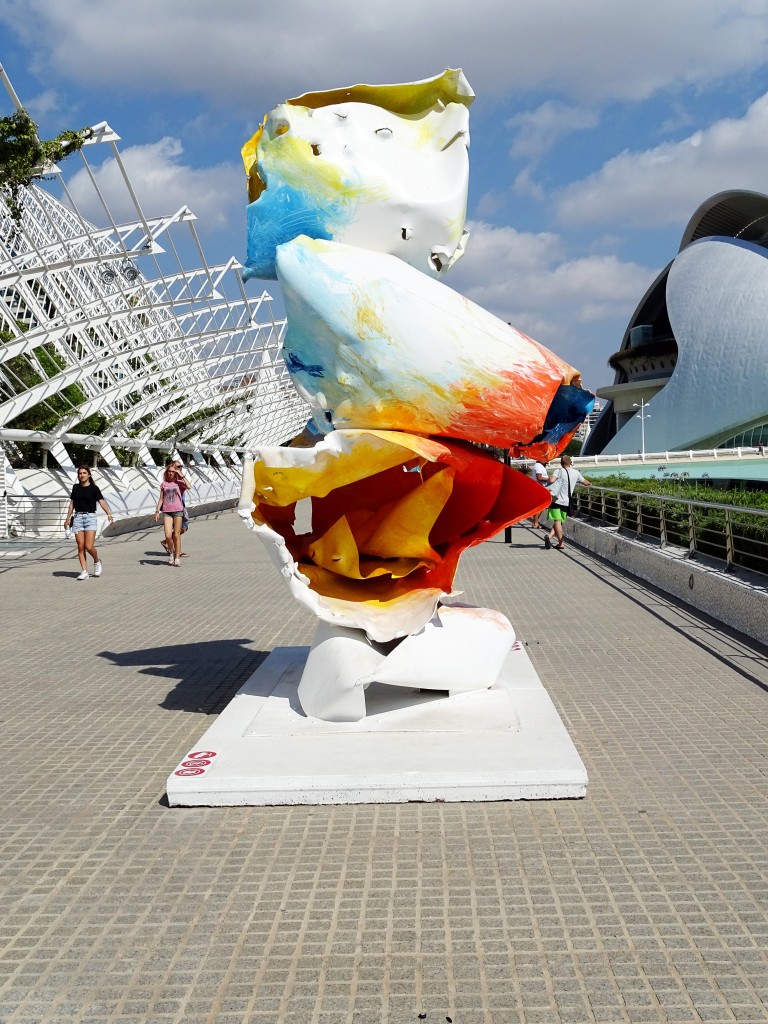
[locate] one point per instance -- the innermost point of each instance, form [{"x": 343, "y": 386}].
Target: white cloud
[
  {"x": 489, "y": 204},
  {"x": 248, "y": 54},
  {"x": 564, "y": 302},
  {"x": 46, "y": 102},
  {"x": 190, "y": 60},
  {"x": 538, "y": 130},
  {"x": 664, "y": 185},
  {"x": 525, "y": 185},
  {"x": 163, "y": 184},
  {"x": 505, "y": 269}
]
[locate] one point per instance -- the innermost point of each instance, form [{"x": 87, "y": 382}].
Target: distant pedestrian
[
  {"x": 541, "y": 476},
  {"x": 171, "y": 504},
  {"x": 563, "y": 483},
  {"x": 760, "y": 450},
  {"x": 179, "y": 467},
  {"x": 83, "y": 500}
]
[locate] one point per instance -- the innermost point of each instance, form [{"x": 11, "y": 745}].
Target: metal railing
[
  {"x": 659, "y": 458},
  {"x": 738, "y": 536},
  {"x": 690, "y": 455},
  {"x": 27, "y": 518}
]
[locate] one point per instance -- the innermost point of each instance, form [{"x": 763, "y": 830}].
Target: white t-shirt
[
  {"x": 559, "y": 489},
  {"x": 539, "y": 471}
]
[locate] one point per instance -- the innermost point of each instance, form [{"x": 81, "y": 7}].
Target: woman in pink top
[{"x": 171, "y": 505}]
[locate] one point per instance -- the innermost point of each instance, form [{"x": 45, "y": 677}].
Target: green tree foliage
[
  {"x": 45, "y": 415},
  {"x": 681, "y": 487},
  {"x": 21, "y": 374},
  {"x": 24, "y": 156},
  {"x": 573, "y": 448}
]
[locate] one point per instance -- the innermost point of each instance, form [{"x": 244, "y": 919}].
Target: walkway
[{"x": 646, "y": 901}]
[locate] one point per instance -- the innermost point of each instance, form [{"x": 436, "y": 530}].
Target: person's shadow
[{"x": 209, "y": 673}]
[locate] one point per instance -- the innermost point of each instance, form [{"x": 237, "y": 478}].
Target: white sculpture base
[{"x": 506, "y": 743}]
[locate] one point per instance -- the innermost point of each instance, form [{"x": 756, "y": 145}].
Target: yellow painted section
[
  {"x": 373, "y": 593},
  {"x": 405, "y": 98},
  {"x": 337, "y": 552},
  {"x": 249, "y": 153},
  {"x": 291, "y": 159},
  {"x": 369, "y": 324},
  {"x": 369, "y": 452},
  {"x": 298, "y": 167},
  {"x": 426, "y": 131},
  {"x": 404, "y": 529}
]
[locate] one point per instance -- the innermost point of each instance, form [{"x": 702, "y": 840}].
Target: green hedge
[
  {"x": 692, "y": 491},
  {"x": 750, "y": 532}
]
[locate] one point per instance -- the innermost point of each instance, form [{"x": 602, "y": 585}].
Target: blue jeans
[{"x": 84, "y": 521}]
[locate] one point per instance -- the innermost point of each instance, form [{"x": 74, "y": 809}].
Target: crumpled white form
[
  {"x": 460, "y": 650},
  {"x": 379, "y": 167},
  {"x": 371, "y": 342},
  {"x": 357, "y": 207}
]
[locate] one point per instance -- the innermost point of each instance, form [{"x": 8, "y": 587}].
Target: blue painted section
[
  {"x": 295, "y": 365},
  {"x": 569, "y": 408},
  {"x": 279, "y": 215}
]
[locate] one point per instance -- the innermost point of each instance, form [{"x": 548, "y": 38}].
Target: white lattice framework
[{"x": 107, "y": 319}]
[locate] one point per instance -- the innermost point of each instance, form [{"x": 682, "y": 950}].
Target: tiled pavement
[{"x": 646, "y": 901}]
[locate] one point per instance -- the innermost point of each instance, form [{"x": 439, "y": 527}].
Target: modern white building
[
  {"x": 106, "y": 322},
  {"x": 118, "y": 337},
  {"x": 120, "y": 345},
  {"x": 692, "y": 368}
]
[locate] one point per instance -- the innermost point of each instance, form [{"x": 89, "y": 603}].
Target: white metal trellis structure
[{"x": 109, "y": 319}]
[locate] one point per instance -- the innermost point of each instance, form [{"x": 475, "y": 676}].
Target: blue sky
[{"x": 599, "y": 125}]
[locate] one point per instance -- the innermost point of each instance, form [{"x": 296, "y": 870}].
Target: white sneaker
[
  {"x": 171, "y": 560},
  {"x": 177, "y": 561},
  {"x": 97, "y": 568},
  {"x": 83, "y": 575}
]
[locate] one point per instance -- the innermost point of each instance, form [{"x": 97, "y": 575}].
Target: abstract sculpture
[{"x": 358, "y": 207}]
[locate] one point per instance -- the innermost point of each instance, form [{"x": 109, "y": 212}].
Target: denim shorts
[{"x": 83, "y": 521}]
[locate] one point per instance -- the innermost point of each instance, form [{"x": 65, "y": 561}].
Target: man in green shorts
[{"x": 563, "y": 482}]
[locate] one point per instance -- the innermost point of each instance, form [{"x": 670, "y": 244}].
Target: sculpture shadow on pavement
[{"x": 207, "y": 673}]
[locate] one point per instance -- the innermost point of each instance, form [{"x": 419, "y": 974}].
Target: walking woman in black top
[{"x": 83, "y": 500}]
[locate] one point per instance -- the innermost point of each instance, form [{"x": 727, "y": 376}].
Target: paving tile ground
[{"x": 644, "y": 902}]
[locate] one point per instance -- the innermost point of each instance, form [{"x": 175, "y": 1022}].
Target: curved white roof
[{"x": 109, "y": 319}]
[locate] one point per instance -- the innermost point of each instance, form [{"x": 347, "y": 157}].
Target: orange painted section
[{"x": 401, "y": 528}]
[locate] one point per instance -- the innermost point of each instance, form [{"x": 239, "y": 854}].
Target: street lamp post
[
  {"x": 643, "y": 416},
  {"x": 507, "y": 529}
]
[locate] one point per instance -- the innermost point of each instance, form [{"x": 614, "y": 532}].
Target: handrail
[
  {"x": 684, "y": 501},
  {"x": 734, "y": 534},
  {"x": 3, "y": 490},
  {"x": 643, "y": 458},
  {"x": 26, "y": 516},
  {"x": 690, "y": 454}
]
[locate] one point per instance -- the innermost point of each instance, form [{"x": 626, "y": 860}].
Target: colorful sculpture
[
  {"x": 358, "y": 204},
  {"x": 380, "y": 167}
]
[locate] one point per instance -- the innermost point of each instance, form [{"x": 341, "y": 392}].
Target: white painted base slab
[{"x": 506, "y": 743}]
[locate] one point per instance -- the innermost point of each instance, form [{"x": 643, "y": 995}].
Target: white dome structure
[{"x": 694, "y": 359}]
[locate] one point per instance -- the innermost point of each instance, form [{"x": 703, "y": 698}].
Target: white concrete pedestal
[{"x": 506, "y": 743}]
